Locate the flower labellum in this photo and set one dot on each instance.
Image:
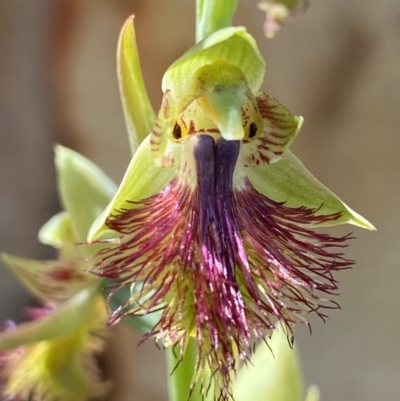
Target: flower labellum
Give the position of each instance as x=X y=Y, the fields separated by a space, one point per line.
x=215 y=216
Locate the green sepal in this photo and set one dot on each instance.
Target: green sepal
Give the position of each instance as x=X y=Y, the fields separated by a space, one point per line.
x=289 y=181
x=49 y=280
x=274 y=373
x=83 y=188
x=56 y=231
x=63 y=321
x=232 y=45
x=142 y=180
x=139 y=114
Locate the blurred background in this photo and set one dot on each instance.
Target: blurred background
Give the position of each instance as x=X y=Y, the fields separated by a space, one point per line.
x=337 y=65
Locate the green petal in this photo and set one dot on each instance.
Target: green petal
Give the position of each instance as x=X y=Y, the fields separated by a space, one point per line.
x=139 y=114
x=84 y=190
x=63 y=321
x=142 y=180
x=270 y=375
x=232 y=45
x=54 y=280
x=280 y=128
x=57 y=231
x=289 y=181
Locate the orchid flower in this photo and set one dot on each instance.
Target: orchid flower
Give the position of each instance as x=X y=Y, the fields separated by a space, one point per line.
x=215 y=217
x=53 y=357
x=278 y=12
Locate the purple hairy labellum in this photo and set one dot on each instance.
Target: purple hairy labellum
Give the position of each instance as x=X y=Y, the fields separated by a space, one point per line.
x=223 y=262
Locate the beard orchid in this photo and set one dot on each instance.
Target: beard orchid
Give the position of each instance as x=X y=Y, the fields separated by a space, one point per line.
x=215 y=218
x=54 y=355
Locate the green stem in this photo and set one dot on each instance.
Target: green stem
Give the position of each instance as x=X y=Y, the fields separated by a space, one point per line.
x=179 y=381
x=212 y=15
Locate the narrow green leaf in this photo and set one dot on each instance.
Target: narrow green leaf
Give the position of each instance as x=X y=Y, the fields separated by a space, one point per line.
x=139 y=114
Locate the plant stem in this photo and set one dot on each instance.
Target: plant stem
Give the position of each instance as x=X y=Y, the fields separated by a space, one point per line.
x=179 y=381
x=212 y=15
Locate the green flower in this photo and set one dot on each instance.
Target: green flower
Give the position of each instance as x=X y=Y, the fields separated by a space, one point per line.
x=215 y=217
x=53 y=357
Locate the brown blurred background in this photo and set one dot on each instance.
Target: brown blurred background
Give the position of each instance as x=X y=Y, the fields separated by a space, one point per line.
x=338 y=65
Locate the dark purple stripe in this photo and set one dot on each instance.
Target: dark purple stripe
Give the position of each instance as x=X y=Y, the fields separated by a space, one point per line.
x=215 y=162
